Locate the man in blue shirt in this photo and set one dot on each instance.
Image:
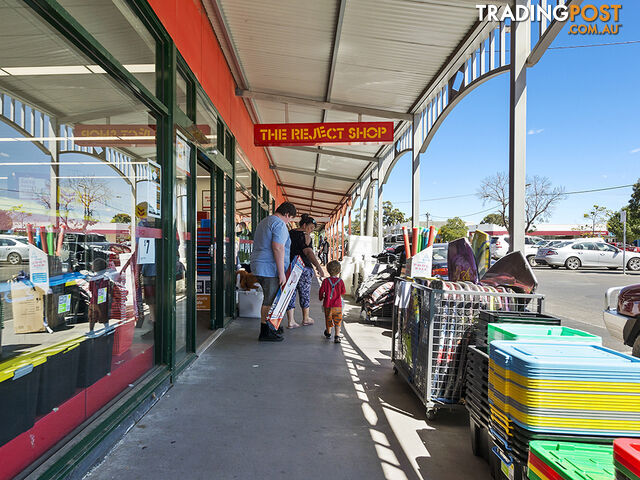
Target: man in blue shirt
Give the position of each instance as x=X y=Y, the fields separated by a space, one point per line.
x=270 y=260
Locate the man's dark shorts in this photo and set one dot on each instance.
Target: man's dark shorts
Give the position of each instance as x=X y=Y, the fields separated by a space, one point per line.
x=270 y=287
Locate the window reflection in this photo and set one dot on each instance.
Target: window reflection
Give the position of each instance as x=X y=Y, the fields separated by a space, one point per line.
x=79 y=232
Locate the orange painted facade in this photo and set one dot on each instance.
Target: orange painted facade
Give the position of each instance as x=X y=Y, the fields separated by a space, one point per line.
x=187 y=23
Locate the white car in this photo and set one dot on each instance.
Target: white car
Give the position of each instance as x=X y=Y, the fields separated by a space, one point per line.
x=499 y=247
x=13 y=249
x=591 y=253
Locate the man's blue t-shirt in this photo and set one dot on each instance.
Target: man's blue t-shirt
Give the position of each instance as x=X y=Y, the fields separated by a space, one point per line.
x=271 y=229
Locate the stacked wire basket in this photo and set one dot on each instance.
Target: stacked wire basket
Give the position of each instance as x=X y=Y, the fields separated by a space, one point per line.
x=433 y=324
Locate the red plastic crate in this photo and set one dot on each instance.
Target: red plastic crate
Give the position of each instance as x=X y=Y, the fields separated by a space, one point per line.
x=627 y=452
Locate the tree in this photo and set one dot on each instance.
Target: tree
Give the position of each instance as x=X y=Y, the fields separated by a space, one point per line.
x=391 y=216
x=493 y=218
x=540 y=197
x=453 y=229
x=19 y=215
x=121 y=218
x=596 y=216
x=6 y=222
x=615 y=226
x=88 y=192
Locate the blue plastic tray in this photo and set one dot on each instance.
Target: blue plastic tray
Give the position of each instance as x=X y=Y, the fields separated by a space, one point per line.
x=575 y=360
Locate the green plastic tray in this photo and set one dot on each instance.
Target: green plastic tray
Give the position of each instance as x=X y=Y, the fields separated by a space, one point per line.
x=518 y=331
x=576 y=461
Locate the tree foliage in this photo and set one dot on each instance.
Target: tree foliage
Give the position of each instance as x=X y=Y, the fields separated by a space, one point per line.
x=615 y=226
x=596 y=216
x=121 y=218
x=493 y=218
x=391 y=216
x=453 y=229
x=540 y=197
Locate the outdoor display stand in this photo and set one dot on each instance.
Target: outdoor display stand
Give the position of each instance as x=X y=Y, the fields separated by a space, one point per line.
x=432 y=328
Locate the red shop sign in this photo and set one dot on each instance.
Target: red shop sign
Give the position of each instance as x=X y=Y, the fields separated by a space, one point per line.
x=292 y=134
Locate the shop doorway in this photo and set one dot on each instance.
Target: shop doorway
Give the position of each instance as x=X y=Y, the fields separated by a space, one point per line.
x=205 y=250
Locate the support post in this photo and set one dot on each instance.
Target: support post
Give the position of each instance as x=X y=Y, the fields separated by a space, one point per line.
x=380 y=226
x=415 y=175
x=342 y=234
x=520 y=46
x=370 y=214
x=361 y=212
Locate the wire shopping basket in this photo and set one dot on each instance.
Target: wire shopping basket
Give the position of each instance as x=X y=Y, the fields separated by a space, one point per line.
x=432 y=328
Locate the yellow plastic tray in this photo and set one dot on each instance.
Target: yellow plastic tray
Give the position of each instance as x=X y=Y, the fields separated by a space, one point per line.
x=539 y=384
x=575 y=423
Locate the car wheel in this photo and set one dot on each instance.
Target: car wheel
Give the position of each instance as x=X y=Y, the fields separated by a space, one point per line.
x=532 y=260
x=14 y=258
x=634 y=264
x=572 y=263
x=636 y=348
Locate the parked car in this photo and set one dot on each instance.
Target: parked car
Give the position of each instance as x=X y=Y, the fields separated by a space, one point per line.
x=576 y=254
x=13 y=249
x=627 y=247
x=92 y=251
x=439 y=267
x=499 y=247
x=622 y=315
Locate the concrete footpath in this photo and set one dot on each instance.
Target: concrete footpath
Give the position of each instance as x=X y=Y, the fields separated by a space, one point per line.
x=302 y=408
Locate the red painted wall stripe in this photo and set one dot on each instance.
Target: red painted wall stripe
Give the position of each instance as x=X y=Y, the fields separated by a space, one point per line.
x=187 y=23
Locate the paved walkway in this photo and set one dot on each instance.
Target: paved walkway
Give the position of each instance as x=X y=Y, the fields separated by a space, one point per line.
x=303 y=408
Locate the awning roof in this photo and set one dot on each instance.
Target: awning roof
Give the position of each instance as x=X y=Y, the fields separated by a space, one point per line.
x=380 y=54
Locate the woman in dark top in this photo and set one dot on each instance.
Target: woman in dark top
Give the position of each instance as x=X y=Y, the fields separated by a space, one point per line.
x=301 y=244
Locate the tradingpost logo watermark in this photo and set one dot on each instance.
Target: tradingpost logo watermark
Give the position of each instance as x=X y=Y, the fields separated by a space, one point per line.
x=608 y=15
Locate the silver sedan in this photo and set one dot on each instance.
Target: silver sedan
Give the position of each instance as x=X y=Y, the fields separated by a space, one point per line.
x=574 y=255
x=13 y=249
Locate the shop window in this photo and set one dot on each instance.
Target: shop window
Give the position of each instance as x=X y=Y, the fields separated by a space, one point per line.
x=244 y=203
x=80 y=224
x=118 y=29
x=182 y=93
x=207 y=124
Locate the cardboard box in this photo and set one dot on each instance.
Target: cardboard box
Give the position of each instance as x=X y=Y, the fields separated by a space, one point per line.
x=28 y=308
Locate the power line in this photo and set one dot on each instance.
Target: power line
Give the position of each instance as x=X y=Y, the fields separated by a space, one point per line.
x=599 y=189
x=565 y=47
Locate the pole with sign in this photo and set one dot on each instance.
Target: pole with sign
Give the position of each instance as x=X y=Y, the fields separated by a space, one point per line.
x=623 y=217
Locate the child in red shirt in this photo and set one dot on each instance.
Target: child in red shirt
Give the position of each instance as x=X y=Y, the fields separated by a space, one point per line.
x=331 y=292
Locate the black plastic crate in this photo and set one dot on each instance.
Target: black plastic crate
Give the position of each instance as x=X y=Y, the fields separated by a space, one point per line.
x=18 y=401
x=480 y=441
x=58 y=379
x=95 y=357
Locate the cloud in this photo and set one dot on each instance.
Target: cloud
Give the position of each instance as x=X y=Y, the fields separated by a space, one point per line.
x=635 y=150
x=535 y=132
x=2 y=154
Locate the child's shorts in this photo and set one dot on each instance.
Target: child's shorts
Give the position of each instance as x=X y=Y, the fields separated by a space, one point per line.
x=333 y=317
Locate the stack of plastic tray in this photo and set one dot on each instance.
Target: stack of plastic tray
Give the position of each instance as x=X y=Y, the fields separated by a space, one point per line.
x=626 y=458
x=477 y=400
x=569 y=461
x=568 y=388
x=485 y=317
x=19 y=383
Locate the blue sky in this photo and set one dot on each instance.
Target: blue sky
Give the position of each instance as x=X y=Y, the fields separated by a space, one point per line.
x=583 y=117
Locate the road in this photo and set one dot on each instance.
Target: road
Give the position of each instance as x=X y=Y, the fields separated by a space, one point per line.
x=578 y=297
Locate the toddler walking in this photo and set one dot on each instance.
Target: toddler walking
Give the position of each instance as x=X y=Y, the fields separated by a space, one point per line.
x=331 y=292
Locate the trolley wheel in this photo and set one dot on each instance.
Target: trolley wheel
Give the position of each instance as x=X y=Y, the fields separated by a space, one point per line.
x=395 y=370
x=431 y=414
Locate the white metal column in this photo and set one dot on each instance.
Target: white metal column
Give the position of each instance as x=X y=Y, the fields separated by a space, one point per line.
x=379 y=226
x=520 y=47
x=415 y=175
x=370 y=207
